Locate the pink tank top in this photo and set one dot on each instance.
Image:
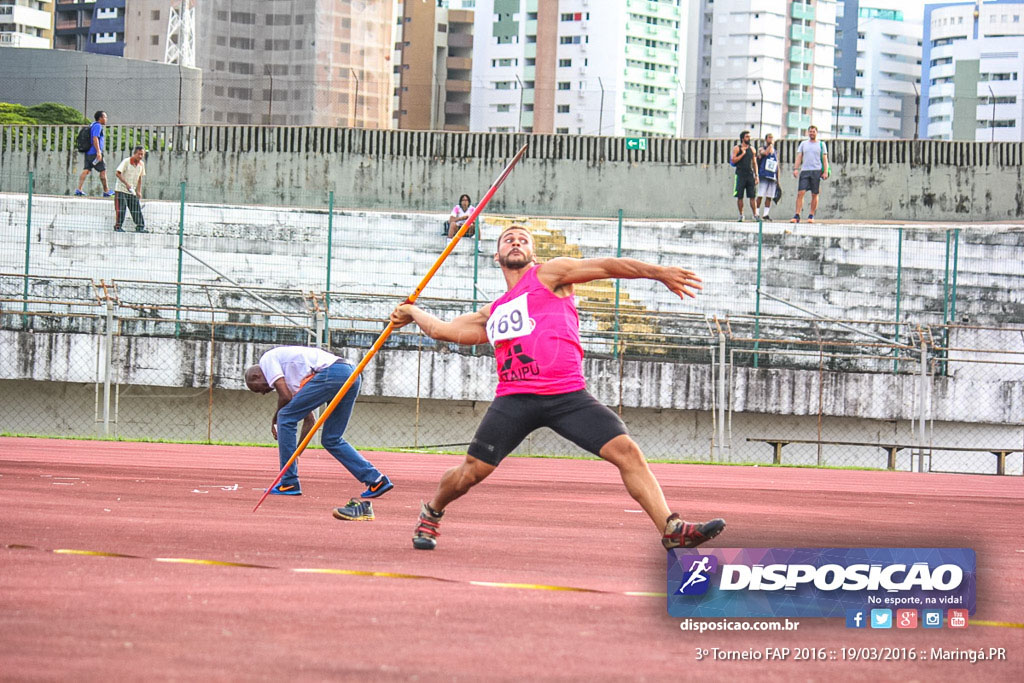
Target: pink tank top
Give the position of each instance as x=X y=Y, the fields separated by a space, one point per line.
x=536 y=338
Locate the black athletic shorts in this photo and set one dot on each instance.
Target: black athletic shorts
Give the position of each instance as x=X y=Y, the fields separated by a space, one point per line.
x=809 y=180
x=92 y=165
x=744 y=185
x=577 y=416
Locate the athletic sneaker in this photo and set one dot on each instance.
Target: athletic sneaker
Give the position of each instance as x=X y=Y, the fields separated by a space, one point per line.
x=141 y=230
x=795 y=218
x=810 y=218
x=740 y=219
x=680 y=534
x=355 y=511
x=118 y=229
x=377 y=488
x=427 y=531
x=286 y=489
x=79 y=193
x=766 y=218
x=108 y=193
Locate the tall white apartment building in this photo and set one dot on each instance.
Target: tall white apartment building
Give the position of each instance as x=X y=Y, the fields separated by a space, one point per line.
x=604 y=67
x=765 y=66
x=972 y=83
x=26 y=23
x=878 y=68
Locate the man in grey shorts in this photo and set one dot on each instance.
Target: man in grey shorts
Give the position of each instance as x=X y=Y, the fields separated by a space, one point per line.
x=811 y=167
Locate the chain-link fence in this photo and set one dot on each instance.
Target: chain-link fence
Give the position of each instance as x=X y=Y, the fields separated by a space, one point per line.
x=804 y=347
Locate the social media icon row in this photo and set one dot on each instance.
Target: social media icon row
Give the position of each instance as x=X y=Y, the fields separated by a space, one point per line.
x=904 y=618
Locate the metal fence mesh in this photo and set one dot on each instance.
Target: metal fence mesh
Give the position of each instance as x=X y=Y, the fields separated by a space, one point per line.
x=834 y=345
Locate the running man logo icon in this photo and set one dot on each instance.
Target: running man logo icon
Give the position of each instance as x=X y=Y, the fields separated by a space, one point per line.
x=697 y=578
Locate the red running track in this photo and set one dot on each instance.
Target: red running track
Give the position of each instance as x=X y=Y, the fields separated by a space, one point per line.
x=540 y=522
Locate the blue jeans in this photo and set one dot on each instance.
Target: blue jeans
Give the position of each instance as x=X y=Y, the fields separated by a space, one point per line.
x=321 y=389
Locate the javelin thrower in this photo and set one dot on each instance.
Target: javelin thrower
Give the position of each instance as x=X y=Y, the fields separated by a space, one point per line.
x=535 y=330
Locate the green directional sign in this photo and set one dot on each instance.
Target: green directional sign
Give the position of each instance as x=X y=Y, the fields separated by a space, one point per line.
x=636 y=143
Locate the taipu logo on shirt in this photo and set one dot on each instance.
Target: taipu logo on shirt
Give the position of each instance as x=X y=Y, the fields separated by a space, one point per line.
x=697 y=579
x=817 y=582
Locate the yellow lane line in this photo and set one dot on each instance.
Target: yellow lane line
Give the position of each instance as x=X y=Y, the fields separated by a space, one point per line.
x=396 y=575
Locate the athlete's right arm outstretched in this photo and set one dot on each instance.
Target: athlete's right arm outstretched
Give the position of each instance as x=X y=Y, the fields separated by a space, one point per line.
x=469 y=328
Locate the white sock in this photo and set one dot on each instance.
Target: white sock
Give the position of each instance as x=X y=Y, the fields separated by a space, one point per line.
x=767 y=209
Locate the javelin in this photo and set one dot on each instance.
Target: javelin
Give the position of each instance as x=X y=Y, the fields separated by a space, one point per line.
x=387 y=330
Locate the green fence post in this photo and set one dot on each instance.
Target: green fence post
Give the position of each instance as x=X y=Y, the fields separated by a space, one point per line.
x=899 y=288
x=28 y=249
x=618 y=254
x=945 y=311
x=181 y=244
x=757 y=291
x=956 y=258
x=476 y=262
x=330 y=252
x=945 y=285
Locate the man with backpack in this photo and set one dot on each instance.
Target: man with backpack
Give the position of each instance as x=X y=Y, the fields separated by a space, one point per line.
x=93 y=153
x=767 y=171
x=745 y=184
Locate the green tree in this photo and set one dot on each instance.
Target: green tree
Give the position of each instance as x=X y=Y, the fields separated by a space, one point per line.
x=14 y=114
x=55 y=114
x=47 y=114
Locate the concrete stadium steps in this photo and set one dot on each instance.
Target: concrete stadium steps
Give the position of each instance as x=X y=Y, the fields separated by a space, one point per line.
x=837 y=271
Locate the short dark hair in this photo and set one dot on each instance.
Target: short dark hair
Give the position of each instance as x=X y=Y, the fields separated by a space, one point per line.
x=98 y=114
x=466 y=197
x=744 y=134
x=136 y=148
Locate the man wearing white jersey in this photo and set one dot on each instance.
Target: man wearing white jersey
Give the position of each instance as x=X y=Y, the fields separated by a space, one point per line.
x=305 y=378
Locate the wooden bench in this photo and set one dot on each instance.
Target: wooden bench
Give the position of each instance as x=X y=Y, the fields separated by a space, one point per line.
x=891 y=449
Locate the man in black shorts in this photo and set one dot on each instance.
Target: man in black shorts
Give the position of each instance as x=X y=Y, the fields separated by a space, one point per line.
x=534 y=327
x=94 y=156
x=811 y=168
x=745 y=184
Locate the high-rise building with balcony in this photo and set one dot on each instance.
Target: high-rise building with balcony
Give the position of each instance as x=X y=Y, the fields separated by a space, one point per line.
x=433 y=61
x=95 y=26
x=878 y=68
x=296 y=62
x=972 y=80
x=765 y=66
x=581 y=66
x=26 y=23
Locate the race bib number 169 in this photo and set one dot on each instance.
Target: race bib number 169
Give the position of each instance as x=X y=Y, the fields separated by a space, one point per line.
x=510 y=320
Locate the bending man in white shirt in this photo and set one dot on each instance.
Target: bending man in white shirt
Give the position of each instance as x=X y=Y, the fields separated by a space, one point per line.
x=305 y=378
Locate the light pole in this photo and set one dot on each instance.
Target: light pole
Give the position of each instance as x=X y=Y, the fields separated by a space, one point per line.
x=270 y=100
x=917 y=108
x=355 y=101
x=682 y=100
x=519 y=125
x=992 y=123
x=600 y=114
x=839 y=103
x=760 y=115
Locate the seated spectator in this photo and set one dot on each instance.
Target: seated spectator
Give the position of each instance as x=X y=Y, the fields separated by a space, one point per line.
x=459 y=216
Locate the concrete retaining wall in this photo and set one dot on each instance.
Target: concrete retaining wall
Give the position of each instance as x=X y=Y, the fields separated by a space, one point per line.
x=560 y=175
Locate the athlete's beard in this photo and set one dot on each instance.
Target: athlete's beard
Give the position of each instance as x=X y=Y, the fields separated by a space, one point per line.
x=517 y=262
